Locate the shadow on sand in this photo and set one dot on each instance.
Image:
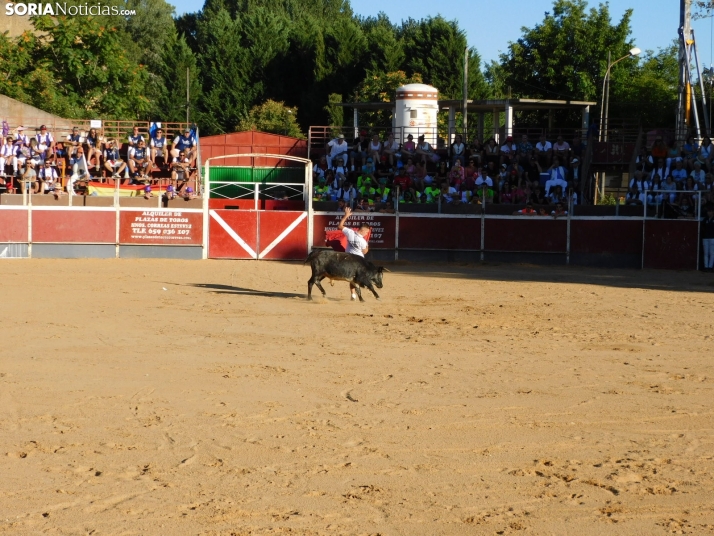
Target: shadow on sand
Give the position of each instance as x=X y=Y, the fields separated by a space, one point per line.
x=227 y=289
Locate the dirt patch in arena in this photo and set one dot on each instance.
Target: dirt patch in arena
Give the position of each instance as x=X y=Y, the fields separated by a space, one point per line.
x=186 y=397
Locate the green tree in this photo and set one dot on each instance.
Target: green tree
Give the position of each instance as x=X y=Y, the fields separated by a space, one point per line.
x=272 y=117
x=177 y=57
x=382 y=87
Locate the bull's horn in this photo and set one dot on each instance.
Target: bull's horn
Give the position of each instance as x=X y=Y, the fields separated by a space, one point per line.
x=385 y=269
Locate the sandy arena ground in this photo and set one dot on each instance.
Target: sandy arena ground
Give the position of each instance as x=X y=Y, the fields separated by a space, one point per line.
x=173 y=397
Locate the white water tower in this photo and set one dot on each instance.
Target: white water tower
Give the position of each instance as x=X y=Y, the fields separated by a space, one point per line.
x=416 y=110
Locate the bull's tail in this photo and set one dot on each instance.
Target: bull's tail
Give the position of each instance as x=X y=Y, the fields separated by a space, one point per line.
x=310 y=256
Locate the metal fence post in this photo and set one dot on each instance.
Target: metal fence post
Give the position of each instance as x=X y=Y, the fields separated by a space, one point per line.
x=699 y=226
x=396 y=226
x=206 y=197
x=483 y=227
x=567 y=237
x=644 y=220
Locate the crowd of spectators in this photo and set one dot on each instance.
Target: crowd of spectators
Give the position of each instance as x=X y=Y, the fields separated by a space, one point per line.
x=371 y=172
x=40 y=162
x=666 y=176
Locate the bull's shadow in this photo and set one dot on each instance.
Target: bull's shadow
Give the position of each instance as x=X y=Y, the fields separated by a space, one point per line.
x=228 y=289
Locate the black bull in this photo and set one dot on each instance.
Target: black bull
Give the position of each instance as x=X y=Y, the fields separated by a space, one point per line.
x=344 y=267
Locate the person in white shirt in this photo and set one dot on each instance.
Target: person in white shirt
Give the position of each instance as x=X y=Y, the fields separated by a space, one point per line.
x=508 y=150
x=557 y=177
x=337 y=148
x=679 y=174
x=561 y=149
x=698 y=174
x=390 y=148
x=374 y=149
x=158 y=145
x=484 y=178
x=45 y=143
x=544 y=150
x=660 y=169
x=356 y=242
x=638 y=180
x=7 y=154
x=80 y=170
x=458 y=150
x=49 y=178
x=19 y=136
x=74 y=140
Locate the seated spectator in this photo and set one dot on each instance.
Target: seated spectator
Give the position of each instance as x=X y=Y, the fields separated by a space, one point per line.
x=690 y=151
x=537 y=197
x=421 y=178
x=21 y=138
x=374 y=150
x=409 y=148
x=139 y=161
x=508 y=150
x=638 y=180
x=456 y=175
x=634 y=196
x=673 y=154
x=7 y=155
x=544 y=151
x=484 y=178
x=360 y=148
x=528 y=211
x=555 y=196
x=571 y=195
x=388 y=208
x=94 y=148
x=365 y=187
x=471 y=169
x=46 y=144
x=525 y=148
x=341 y=205
x=697 y=174
x=347 y=192
x=432 y=193
x=369 y=168
x=319 y=169
x=475 y=152
x=561 y=149
x=576 y=148
x=49 y=179
x=390 y=150
x=79 y=170
x=180 y=170
x=533 y=170
x=363 y=205
x=113 y=163
x=28 y=178
x=483 y=195
x=659 y=149
x=337 y=148
x=514 y=171
x=321 y=192
x=458 y=150
x=74 y=140
x=382 y=191
x=339 y=169
x=158 y=146
x=425 y=152
x=450 y=195
x=22 y=155
x=135 y=137
x=491 y=153
x=661 y=169
x=670 y=187
x=402 y=181
x=186 y=143
x=518 y=194
x=36 y=155
x=506 y=197
x=679 y=174
x=557 y=176
x=644 y=162
x=559 y=211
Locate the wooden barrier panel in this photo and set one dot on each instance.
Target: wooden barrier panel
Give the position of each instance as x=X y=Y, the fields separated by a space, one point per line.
x=526 y=234
x=439 y=233
x=671 y=244
x=13 y=225
x=80 y=225
x=283 y=235
x=600 y=237
x=232 y=234
x=160 y=227
x=383 y=227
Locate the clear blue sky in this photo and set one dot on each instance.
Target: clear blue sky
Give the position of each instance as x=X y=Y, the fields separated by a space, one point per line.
x=490 y=26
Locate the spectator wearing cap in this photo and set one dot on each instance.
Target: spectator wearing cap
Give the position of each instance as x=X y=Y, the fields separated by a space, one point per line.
x=544 y=151
x=365 y=186
x=45 y=143
x=187 y=143
x=28 y=178
x=359 y=149
x=425 y=151
x=368 y=168
x=74 y=140
x=158 y=146
x=381 y=193
x=337 y=148
x=321 y=191
x=508 y=150
x=458 y=150
x=561 y=149
x=21 y=138
x=573 y=174
x=390 y=149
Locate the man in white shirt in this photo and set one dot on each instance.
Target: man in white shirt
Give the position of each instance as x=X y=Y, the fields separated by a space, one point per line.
x=561 y=149
x=544 y=150
x=557 y=177
x=337 y=147
x=356 y=242
x=698 y=173
x=679 y=174
x=484 y=178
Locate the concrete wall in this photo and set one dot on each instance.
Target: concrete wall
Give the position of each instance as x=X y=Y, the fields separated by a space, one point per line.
x=17 y=113
x=14 y=25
